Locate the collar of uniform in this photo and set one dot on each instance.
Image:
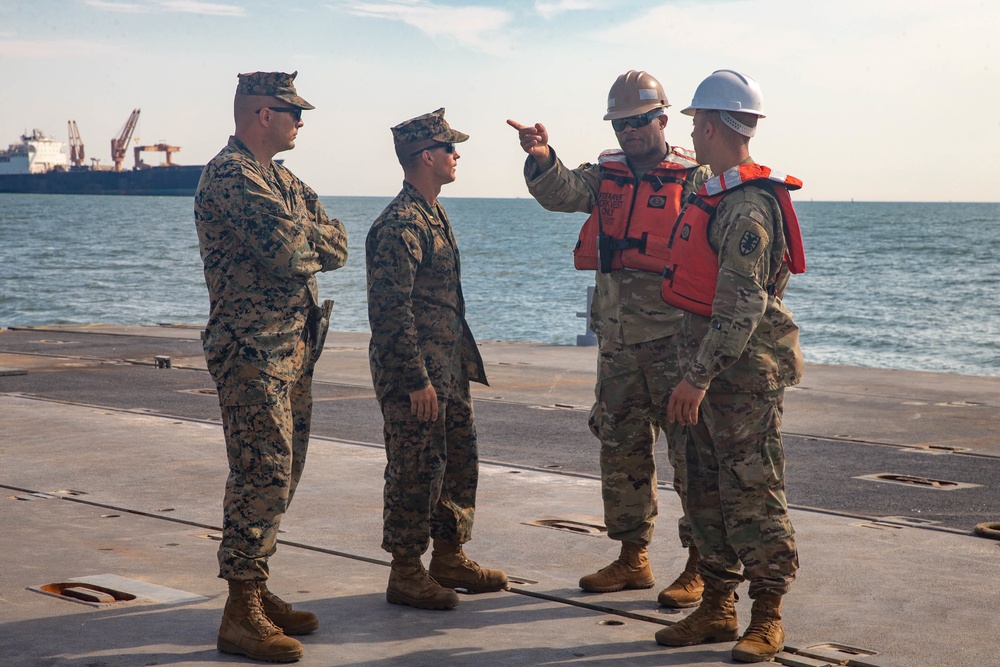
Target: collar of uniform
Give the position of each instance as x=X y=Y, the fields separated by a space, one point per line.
x=433 y=212
x=238 y=145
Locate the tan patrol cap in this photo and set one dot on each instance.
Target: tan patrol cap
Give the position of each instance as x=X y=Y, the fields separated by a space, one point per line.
x=272 y=84
x=427 y=129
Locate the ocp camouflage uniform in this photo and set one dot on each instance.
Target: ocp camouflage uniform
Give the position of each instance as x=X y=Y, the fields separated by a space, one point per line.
x=744 y=355
x=263 y=235
x=420 y=337
x=636 y=368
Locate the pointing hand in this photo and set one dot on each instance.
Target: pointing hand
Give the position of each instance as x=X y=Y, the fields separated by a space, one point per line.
x=534 y=140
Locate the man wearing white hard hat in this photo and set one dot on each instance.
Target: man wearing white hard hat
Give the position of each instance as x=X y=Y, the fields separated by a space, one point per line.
x=633 y=195
x=733 y=248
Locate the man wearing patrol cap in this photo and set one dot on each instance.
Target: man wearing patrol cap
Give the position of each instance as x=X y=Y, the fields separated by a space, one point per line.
x=735 y=245
x=633 y=196
x=263 y=235
x=422 y=357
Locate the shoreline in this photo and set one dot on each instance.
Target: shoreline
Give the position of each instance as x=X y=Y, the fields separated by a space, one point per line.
x=887 y=406
x=127 y=329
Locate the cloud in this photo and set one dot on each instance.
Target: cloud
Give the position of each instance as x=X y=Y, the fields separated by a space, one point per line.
x=178 y=6
x=466 y=25
x=123 y=7
x=548 y=9
x=208 y=8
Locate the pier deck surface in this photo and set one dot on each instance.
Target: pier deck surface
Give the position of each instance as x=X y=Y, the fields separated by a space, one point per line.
x=112 y=470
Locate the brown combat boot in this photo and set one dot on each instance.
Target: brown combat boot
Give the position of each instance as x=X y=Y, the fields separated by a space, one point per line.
x=713 y=621
x=280 y=613
x=687 y=588
x=245 y=630
x=410 y=584
x=451 y=568
x=765 y=636
x=630 y=570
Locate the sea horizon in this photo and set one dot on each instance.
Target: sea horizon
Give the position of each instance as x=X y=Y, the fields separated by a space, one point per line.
x=884 y=288
x=795 y=199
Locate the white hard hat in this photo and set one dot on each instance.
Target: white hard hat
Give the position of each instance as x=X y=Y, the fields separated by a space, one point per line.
x=728 y=90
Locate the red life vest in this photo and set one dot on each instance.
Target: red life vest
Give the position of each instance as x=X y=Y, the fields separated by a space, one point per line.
x=690 y=278
x=630 y=225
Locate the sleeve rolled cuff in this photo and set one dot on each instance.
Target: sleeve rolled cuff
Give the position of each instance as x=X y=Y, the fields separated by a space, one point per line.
x=533 y=173
x=698 y=380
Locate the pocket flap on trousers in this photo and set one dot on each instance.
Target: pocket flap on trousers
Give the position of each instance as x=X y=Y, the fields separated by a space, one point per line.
x=247 y=391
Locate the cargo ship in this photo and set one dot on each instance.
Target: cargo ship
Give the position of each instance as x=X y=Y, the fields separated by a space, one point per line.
x=39 y=164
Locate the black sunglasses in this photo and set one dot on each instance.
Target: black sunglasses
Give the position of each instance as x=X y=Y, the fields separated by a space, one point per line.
x=642 y=120
x=295 y=111
x=448 y=147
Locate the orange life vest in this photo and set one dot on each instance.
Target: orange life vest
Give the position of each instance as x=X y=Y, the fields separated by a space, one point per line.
x=630 y=225
x=690 y=278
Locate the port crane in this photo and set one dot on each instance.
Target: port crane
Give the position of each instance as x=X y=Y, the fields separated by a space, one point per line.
x=76 y=155
x=120 y=144
x=161 y=148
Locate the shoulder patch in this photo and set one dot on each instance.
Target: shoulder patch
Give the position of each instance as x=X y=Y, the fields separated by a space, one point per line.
x=757 y=215
x=749 y=242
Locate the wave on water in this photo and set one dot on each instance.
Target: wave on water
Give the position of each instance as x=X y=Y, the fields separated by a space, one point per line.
x=892 y=285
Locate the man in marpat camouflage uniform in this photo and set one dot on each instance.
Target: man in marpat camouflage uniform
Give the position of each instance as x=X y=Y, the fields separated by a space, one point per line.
x=633 y=197
x=422 y=357
x=736 y=244
x=263 y=235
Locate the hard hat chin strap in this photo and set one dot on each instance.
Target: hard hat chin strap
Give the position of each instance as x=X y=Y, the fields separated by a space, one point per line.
x=736 y=125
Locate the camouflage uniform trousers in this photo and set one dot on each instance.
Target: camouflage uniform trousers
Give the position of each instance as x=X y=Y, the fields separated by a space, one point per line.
x=633 y=386
x=736 y=493
x=431 y=474
x=266 y=421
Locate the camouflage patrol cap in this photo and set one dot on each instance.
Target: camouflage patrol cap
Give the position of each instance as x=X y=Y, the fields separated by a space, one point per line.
x=426 y=129
x=272 y=84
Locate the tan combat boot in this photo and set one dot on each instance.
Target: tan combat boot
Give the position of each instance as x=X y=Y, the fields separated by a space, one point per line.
x=290 y=621
x=630 y=570
x=765 y=636
x=245 y=630
x=410 y=584
x=451 y=568
x=687 y=588
x=713 y=621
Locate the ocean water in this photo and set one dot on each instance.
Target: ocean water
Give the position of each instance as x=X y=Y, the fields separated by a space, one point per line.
x=891 y=285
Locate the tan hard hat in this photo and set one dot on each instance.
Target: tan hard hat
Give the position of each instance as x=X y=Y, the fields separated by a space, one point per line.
x=635 y=93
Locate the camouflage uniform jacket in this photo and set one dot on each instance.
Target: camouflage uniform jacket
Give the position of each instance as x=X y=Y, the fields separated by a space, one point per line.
x=627 y=307
x=415 y=304
x=750 y=344
x=263 y=235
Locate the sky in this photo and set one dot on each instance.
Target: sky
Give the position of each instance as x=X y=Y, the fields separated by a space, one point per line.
x=858 y=93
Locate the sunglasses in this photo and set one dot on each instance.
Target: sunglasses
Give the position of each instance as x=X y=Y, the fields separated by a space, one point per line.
x=642 y=120
x=295 y=111
x=448 y=147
